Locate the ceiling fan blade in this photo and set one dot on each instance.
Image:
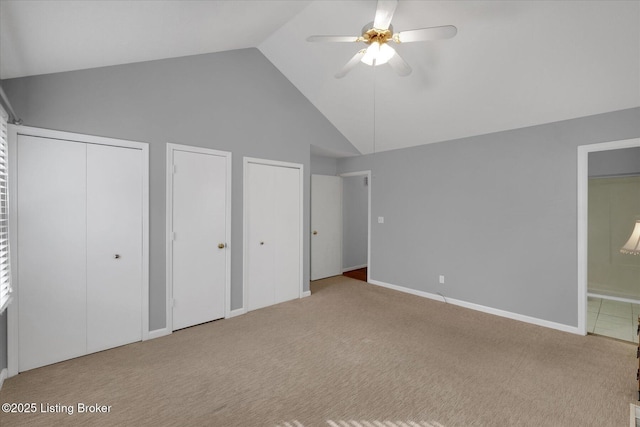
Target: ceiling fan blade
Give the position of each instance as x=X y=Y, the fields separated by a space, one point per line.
x=425 y=34
x=384 y=13
x=340 y=39
x=352 y=63
x=399 y=65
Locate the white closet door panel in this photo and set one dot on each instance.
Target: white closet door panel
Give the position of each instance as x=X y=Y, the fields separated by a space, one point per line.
x=51 y=251
x=326 y=226
x=261 y=236
x=114 y=246
x=199 y=224
x=286 y=225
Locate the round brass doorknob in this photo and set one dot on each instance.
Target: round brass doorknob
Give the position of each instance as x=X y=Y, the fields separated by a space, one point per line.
x=315 y=232
x=220 y=245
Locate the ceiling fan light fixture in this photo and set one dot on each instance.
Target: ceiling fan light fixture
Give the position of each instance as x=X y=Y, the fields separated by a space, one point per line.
x=378 y=54
x=378 y=33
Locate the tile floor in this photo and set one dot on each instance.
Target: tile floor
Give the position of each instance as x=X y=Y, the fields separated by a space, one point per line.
x=613 y=318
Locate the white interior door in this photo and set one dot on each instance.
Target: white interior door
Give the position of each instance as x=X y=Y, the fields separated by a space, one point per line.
x=326 y=226
x=199 y=216
x=51 y=251
x=273 y=240
x=114 y=246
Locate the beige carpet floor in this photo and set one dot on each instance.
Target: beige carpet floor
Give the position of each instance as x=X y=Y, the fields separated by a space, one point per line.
x=351 y=354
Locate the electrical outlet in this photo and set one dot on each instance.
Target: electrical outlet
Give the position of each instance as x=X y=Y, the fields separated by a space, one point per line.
x=441 y=278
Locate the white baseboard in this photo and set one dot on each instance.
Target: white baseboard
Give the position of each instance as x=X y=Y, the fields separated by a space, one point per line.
x=306 y=294
x=157 y=333
x=609 y=297
x=482 y=308
x=4 y=374
x=236 y=312
x=357 y=267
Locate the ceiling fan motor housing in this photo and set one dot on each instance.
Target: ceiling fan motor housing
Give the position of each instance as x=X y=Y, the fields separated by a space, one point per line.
x=371 y=34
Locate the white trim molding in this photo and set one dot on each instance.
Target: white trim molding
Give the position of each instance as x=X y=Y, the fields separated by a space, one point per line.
x=157 y=333
x=306 y=294
x=482 y=308
x=171 y=148
x=236 y=312
x=612 y=298
x=583 y=218
x=12 y=312
x=634 y=415
x=4 y=374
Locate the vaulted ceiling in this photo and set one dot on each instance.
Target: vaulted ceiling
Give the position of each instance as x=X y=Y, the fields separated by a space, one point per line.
x=512 y=64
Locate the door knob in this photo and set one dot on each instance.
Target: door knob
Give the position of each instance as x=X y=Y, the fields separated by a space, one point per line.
x=221 y=245
x=116 y=256
x=315 y=232
x=262 y=243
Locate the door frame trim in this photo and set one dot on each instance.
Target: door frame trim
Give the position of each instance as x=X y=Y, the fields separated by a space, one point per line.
x=583 y=218
x=12 y=310
x=366 y=173
x=171 y=148
x=245 y=220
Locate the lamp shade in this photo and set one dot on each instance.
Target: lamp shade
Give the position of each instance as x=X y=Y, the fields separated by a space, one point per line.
x=378 y=54
x=632 y=247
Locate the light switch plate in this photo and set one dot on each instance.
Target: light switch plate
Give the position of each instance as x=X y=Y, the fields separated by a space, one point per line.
x=380 y=220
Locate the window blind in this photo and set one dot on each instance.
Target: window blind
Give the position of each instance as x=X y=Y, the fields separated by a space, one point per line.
x=5 y=270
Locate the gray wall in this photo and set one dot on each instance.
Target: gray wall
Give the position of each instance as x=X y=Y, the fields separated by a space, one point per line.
x=321 y=165
x=496 y=214
x=235 y=101
x=625 y=161
x=355 y=204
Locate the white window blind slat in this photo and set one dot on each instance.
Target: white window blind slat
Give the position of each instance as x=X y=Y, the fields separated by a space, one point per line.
x=5 y=270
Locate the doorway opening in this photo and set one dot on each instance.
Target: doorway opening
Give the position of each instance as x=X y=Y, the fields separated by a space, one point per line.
x=358 y=274
x=608 y=184
x=356 y=243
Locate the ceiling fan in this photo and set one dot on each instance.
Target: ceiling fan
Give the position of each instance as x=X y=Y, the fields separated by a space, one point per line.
x=378 y=34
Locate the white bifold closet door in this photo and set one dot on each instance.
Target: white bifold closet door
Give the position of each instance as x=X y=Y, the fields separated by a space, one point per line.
x=273 y=234
x=52 y=248
x=79 y=249
x=114 y=246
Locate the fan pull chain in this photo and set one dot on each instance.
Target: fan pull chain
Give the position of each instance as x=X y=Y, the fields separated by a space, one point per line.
x=374 y=109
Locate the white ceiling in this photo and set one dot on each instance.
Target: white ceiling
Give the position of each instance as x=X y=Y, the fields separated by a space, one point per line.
x=48 y=36
x=512 y=63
